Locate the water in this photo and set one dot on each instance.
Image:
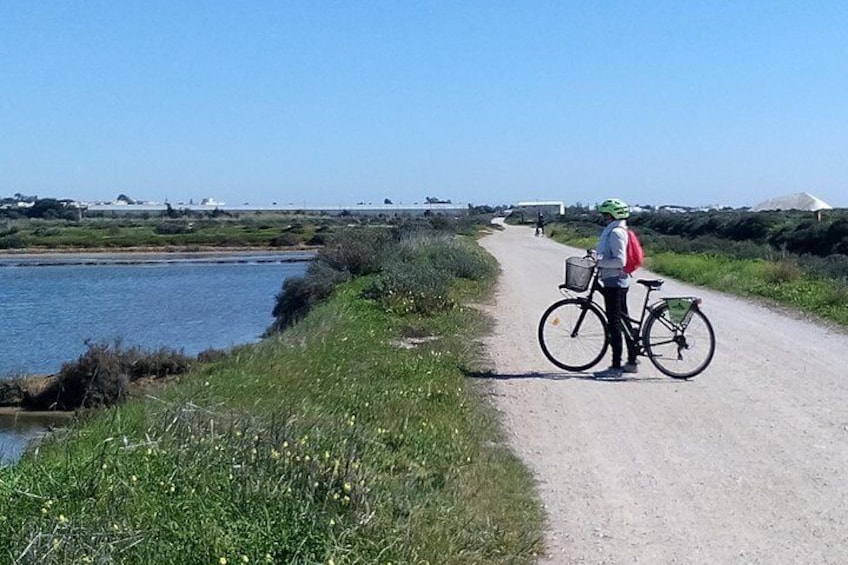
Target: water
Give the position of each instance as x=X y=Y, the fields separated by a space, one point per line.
x=19 y=430
x=52 y=306
x=188 y=304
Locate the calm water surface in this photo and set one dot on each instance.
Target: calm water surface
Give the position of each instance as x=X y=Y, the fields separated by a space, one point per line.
x=51 y=307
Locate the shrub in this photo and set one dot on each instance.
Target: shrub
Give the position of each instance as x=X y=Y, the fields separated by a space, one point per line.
x=358 y=251
x=101 y=376
x=45 y=231
x=445 y=253
x=212 y=355
x=172 y=228
x=300 y=294
x=320 y=238
x=408 y=287
x=286 y=239
x=413 y=272
x=833 y=266
x=837 y=295
x=12 y=241
x=350 y=252
x=783 y=271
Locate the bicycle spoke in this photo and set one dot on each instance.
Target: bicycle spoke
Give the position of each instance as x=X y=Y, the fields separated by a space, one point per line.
x=573 y=335
x=676 y=351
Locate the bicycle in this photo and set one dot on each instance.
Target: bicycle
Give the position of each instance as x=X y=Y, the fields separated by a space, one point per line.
x=672 y=332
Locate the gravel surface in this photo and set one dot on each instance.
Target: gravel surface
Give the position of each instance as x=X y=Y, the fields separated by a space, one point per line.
x=746 y=463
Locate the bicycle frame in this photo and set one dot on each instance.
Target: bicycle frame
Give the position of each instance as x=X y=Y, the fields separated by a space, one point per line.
x=632 y=327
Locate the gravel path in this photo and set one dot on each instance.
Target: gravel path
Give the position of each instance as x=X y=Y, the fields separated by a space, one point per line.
x=746 y=463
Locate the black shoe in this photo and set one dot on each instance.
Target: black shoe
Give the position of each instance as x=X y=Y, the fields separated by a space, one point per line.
x=610 y=373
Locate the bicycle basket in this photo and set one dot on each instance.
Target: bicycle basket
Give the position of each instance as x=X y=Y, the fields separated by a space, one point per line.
x=578 y=273
x=679 y=309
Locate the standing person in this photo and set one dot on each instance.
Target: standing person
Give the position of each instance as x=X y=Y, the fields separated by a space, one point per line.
x=612 y=256
x=540 y=224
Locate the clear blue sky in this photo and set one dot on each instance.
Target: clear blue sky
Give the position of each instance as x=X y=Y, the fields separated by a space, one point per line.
x=488 y=102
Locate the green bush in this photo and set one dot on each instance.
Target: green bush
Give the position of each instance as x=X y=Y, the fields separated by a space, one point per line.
x=445 y=253
x=406 y=287
x=300 y=294
x=286 y=239
x=359 y=251
x=783 y=271
x=350 y=252
x=836 y=296
x=319 y=238
x=832 y=267
x=12 y=241
x=172 y=228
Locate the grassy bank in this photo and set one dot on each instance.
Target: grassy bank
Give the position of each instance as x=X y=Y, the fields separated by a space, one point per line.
x=353 y=437
x=198 y=231
x=781 y=280
x=184 y=232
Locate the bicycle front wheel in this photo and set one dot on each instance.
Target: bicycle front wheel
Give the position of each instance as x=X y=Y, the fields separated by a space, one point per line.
x=573 y=334
x=679 y=351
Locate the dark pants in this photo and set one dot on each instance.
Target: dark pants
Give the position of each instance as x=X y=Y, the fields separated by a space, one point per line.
x=615 y=303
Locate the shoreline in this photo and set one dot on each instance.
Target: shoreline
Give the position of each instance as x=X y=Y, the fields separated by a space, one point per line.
x=31 y=257
x=19 y=412
x=152 y=249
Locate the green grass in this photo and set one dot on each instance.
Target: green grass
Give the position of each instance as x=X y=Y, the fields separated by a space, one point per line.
x=774 y=280
x=568 y=236
x=329 y=443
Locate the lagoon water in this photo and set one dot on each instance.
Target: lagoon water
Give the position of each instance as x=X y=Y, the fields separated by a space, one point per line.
x=49 y=311
x=51 y=307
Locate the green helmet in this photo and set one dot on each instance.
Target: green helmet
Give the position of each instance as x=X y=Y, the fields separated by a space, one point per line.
x=616 y=208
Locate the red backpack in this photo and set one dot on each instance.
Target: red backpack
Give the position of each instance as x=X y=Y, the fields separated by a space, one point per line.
x=635 y=255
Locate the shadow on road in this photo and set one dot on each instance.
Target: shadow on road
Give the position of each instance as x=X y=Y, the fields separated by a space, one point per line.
x=561 y=376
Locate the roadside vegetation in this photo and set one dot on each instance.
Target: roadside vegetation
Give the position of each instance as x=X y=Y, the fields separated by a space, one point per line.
x=792 y=258
x=349 y=435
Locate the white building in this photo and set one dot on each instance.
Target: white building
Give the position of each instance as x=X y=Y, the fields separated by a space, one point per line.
x=550 y=208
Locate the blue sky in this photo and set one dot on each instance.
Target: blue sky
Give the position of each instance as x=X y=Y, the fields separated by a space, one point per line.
x=326 y=102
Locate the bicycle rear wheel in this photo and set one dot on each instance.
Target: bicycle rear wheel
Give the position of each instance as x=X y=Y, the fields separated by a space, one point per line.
x=573 y=334
x=679 y=351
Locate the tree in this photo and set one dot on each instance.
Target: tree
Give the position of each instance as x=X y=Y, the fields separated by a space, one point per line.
x=126 y=199
x=387 y=201
x=50 y=208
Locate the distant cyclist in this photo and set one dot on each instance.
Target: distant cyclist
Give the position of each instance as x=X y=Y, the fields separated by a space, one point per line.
x=540 y=224
x=612 y=256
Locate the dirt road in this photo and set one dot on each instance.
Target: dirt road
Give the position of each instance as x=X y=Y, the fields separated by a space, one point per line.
x=747 y=463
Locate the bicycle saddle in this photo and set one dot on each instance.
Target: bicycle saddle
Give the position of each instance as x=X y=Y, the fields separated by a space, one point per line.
x=653 y=284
